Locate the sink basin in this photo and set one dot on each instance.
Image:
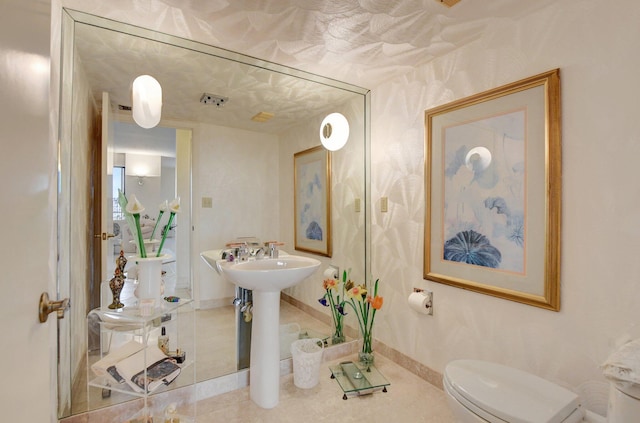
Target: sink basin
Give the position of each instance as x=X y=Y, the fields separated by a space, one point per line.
x=211 y=257
x=268 y=274
x=266 y=277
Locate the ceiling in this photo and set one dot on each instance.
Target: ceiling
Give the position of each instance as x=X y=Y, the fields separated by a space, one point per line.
x=362 y=42
x=112 y=60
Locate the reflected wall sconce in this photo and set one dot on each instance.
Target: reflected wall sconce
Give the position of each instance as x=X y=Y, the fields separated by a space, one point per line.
x=334 y=131
x=478 y=159
x=142 y=166
x=146 y=101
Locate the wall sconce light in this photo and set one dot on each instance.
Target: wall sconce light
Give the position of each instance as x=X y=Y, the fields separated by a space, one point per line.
x=334 y=131
x=142 y=166
x=146 y=101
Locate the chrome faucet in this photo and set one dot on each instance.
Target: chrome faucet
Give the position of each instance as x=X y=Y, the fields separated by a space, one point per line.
x=243 y=252
x=258 y=253
x=273 y=249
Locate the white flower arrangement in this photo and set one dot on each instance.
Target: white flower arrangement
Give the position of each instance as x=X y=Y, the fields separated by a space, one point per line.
x=133 y=208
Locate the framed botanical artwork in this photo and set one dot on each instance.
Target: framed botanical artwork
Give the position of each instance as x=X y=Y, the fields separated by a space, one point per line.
x=312 y=201
x=493 y=192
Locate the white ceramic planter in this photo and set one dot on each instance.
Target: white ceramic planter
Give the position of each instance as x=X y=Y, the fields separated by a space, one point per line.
x=150 y=286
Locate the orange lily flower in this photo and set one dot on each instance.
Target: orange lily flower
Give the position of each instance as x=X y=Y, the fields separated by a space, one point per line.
x=376 y=302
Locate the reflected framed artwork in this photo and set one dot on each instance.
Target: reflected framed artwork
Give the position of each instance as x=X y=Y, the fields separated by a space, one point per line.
x=493 y=192
x=312 y=201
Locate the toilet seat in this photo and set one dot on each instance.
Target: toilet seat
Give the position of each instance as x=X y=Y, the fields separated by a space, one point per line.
x=461 y=401
x=502 y=394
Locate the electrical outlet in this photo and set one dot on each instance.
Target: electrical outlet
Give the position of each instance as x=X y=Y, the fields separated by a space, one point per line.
x=207 y=202
x=384 y=204
x=356 y=204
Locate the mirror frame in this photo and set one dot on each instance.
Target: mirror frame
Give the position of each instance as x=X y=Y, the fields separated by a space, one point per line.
x=69 y=18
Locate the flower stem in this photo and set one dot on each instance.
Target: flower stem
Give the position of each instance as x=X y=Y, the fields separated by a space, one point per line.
x=335 y=314
x=353 y=305
x=141 y=249
x=156 y=225
x=164 y=235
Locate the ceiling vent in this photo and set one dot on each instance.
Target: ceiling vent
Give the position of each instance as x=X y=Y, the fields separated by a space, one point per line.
x=216 y=100
x=262 y=117
x=448 y=3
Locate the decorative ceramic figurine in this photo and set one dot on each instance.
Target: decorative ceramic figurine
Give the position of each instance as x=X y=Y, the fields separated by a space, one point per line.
x=117 y=282
x=121 y=262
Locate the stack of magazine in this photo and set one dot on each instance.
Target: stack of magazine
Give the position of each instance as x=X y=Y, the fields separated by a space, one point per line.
x=143 y=368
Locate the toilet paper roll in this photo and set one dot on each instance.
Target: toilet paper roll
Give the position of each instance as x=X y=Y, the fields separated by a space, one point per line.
x=419 y=302
x=330 y=273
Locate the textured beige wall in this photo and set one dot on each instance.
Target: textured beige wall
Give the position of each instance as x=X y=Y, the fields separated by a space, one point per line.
x=245 y=198
x=348 y=230
x=593 y=46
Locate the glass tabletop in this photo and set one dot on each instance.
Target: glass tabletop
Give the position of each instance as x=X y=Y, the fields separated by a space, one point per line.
x=358 y=378
x=133 y=315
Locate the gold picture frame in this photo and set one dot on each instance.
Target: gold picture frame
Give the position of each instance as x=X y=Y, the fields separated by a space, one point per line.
x=493 y=192
x=312 y=201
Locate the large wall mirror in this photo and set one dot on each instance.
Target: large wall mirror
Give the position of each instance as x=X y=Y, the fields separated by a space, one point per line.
x=234 y=175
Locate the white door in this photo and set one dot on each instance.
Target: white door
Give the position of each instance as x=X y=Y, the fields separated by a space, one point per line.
x=28 y=243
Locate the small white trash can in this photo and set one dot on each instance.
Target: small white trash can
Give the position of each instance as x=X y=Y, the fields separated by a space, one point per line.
x=288 y=334
x=307 y=357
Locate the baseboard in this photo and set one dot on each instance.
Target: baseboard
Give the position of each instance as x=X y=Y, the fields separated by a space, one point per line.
x=214 y=303
x=424 y=372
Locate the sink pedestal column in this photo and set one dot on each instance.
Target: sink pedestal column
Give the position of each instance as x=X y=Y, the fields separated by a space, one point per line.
x=266 y=278
x=264 y=370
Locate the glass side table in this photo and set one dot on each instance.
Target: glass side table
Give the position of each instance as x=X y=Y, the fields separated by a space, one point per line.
x=358 y=378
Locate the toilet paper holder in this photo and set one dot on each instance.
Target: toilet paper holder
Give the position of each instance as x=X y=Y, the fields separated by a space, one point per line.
x=429 y=295
x=332 y=272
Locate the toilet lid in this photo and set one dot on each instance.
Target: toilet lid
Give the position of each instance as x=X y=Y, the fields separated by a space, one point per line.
x=510 y=394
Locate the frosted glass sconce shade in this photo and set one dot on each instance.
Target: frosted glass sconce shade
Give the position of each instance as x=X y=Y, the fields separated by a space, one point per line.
x=143 y=164
x=146 y=101
x=334 y=131
x=478 y=159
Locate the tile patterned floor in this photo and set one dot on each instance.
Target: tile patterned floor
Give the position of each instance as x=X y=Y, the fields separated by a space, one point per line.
x=408 y=399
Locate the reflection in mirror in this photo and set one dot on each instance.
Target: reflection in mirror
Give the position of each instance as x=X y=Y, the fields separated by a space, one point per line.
x=237 y=170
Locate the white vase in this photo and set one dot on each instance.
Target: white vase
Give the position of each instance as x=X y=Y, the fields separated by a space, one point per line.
x=151 y=245
x=150 y=286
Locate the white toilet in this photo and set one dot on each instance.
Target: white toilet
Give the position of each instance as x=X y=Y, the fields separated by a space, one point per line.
x=480 y=391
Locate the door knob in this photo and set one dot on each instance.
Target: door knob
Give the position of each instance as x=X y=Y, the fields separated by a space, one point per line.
x=104 y=236
x=46 y=307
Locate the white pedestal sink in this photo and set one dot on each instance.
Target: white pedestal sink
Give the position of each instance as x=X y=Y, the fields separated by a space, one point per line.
x=266 y=278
